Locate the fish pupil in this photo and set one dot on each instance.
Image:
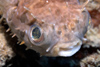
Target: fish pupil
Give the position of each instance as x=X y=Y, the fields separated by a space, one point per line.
x=36 y=33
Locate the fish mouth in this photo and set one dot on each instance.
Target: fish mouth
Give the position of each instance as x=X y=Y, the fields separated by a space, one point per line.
x=69 y=52
x=65 y=49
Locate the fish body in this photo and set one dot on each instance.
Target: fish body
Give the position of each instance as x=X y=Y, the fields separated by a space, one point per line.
x=50 y=27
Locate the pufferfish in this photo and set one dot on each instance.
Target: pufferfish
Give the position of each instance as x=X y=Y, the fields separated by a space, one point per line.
x=50 y=27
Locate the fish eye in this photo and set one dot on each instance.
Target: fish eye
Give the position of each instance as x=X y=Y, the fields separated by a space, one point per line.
x=36 y=34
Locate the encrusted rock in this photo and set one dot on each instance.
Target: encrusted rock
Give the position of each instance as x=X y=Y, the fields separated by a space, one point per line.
x=6 y=52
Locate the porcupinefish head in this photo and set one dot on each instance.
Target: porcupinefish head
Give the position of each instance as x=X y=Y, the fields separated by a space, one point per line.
x=51 y=27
